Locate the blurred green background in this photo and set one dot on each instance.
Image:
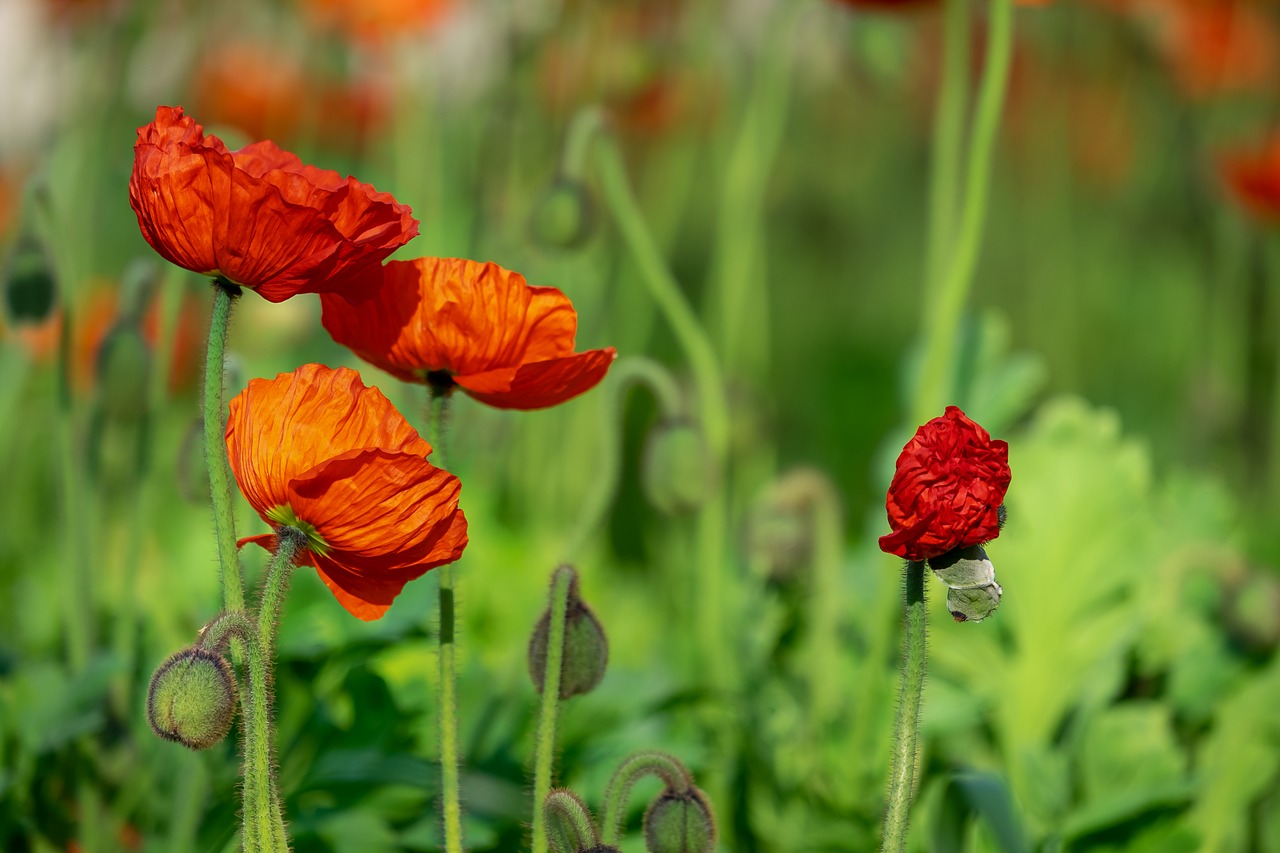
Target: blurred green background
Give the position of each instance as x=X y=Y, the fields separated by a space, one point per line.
x=1121 y=336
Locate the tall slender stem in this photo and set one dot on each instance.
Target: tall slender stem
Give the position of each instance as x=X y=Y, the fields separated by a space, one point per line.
x=545 y=750
x=942 y=313
x=215 y=448
x=672 y=773
x=907 y=724
x=263 y=817
x=450 y=787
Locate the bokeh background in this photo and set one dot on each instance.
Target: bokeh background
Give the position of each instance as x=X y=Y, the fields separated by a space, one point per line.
x=1121 y=335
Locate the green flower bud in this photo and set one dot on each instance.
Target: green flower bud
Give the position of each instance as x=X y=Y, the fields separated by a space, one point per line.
x=564 y=217
x=123 y=366
x=192 y=698
x=677 y=474
x=30 y=290
x=680 y=822
x=975 y=603
x=586 y=649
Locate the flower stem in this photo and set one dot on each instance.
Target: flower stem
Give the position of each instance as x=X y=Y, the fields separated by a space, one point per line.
x=569 y=822
x=450 y=788
x=215 y=448
x=545 y=748
x=948 y=144
x=942 y=310
x=634 y=767
x=907 y=724
x=263 y=816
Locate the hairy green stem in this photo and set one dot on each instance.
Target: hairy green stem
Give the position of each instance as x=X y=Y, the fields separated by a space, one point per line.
x=545 y=749
x=569 y=822
x=942 y=314
x=633 y=768
x=906 y=727
x=450 y=786
x=215 y=448
x=628 y=371
x=263 y=816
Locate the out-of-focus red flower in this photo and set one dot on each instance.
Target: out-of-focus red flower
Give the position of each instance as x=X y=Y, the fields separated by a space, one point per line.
x=375 y=21
x=904 y=5
x=1253 y=178
x=316 y=450
x=447 y=322
x=258 y=216
x=947 y=489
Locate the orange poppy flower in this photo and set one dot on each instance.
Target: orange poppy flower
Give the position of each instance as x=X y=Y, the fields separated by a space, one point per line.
x=1254 y=179
x=316 y=450
x=376 y=21
x=258 y=216
x=448 y=321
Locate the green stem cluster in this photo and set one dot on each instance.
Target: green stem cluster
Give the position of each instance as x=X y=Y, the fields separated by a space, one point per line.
x=545 y=750
x=906 y=726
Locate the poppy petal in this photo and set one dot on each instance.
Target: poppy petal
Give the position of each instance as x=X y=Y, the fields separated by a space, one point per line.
x=542 y=383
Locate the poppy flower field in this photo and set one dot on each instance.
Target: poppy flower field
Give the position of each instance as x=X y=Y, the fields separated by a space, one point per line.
x=632 y=425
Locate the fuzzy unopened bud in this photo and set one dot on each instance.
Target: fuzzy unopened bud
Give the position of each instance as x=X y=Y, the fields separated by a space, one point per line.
x=30 y=290
x=680 y=822
x=585 y=651
x=677 y=474
x=192 y=698
x=564 y=217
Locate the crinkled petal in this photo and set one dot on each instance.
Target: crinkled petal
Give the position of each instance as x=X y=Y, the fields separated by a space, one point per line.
x=542 y=383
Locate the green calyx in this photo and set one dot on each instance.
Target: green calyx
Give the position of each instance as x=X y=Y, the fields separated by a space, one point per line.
x=680 y=822
x=192 y=698
x=284 y=516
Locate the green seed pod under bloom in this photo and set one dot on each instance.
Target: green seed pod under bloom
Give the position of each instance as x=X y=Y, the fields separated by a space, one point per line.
x=564 y=217
x=680 y=822
x=677 y=473
x=586 y=649
x=192 y=698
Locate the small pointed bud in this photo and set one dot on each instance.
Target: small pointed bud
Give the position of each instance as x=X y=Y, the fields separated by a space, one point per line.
x=974 y=604
x=564 y=217
x=30 y=290
x=586 y=649
x=680 y=822
x=123 y=368
x=192 y=698
x=964 y=568
x=677 y=473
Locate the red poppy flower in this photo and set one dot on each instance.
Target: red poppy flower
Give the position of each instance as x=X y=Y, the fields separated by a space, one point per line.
x=447 y=321
x=1254 y=179
x=947 y=490
x=317 y=450
x=258 y=216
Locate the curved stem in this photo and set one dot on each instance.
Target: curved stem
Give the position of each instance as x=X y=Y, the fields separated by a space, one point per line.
x=450 y=786
x=628 y=371
x=943 y=312
x=569 y=821
x=562 y=581
x=215 y=448
x=263 y=817
x=652 y=763
x=907 y=724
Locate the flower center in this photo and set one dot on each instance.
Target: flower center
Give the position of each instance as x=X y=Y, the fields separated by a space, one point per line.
x=286 y=516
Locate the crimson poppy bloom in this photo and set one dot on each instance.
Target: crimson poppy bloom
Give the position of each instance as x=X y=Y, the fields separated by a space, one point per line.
x=450 y=322
x=259 y=216
x=1254 y=179
x=316 y=450
x=947 y=489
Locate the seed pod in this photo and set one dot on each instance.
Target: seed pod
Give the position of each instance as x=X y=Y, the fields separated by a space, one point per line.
x=677 y=474
x=586 y=649
x=680 y=822
x=192 y=698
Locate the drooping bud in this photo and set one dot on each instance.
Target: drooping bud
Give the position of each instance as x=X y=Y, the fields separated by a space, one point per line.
x=569 y=825
x=678 y=474
x=680 y=822
x=192 y=698
x=30 y=290
x=564 y=216
x=585 y=651
x=974 y=604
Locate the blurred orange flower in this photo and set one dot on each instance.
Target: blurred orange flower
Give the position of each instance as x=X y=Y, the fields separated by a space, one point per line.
x=375 y=20
x=1253 y=178
x=258 y=216
x=316 y=450
x=447 y=322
